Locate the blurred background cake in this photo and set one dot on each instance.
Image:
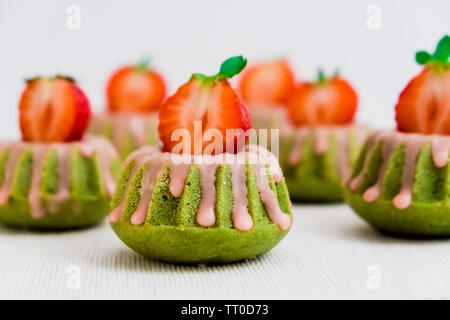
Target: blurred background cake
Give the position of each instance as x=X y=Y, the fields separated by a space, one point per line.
x=319 y=150
x=54 y=178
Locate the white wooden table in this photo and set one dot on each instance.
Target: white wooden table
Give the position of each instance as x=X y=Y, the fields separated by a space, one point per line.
x=329 y=253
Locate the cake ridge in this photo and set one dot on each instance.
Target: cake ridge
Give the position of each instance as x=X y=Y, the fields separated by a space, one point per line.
x=206 y=215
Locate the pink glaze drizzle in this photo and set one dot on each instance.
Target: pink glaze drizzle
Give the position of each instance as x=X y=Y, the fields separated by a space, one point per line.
x=40 y=151
x=321 y=136
x=206 y=216
x=413 y=144
x=14 y=154
x=179 y=170
x=241 y=217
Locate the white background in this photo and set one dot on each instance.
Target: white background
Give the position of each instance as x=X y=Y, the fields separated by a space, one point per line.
x=183 y=37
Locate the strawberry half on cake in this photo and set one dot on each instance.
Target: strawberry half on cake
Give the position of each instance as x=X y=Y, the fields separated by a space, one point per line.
x=401 y=181
x=319 y=150
x=207 y=196
x=55 y=178
x=265 y=88
x=135 y=94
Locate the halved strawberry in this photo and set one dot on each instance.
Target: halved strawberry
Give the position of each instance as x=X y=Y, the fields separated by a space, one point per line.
x=136 y=89
x=53 y=110
x=267 y=83
x=325 y=102
x=211 y=102
x=424 y=105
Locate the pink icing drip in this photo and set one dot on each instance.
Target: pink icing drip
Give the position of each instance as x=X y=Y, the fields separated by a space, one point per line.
x=115 y=215
x=269 y=199
x=178 y=175
x=34 y=196
x=205 y=215
x=296 y=152
x=440 y=152
x=63 y=192
x=140 y=214
x=87 y=150
x=403 y=199
x=343 y=156
x=241 y=217
x=413 y=145
x=15 y=152
x=322 y=136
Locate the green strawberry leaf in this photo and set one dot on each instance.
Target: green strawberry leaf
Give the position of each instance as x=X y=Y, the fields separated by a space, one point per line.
x=442 y=52
x=321 y=77
x=143 y=64
x=232 y=66
x=422 y=57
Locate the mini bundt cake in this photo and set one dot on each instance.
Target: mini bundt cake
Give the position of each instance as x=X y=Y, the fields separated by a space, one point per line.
x=318 y=151
x=127 y=131
x=200 y=210
x=54 y=178
x=210 y=202
x=401 y=181
x=317 y=161
x=57 y=185
x=134 y=94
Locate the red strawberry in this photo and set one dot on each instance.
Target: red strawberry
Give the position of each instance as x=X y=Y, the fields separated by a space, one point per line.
x=267 y=83
x=210 y=100
x=53 y=110
x=136 y=89
x=325 y=102
x=424 y=105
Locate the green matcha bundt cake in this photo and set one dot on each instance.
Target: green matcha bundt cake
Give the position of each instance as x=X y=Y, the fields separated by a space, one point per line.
x=196 y=212
x=53 y=178
x=318 y=151
x=56 y=185
x=127 y=131
x=317 y=161
x=401 y=183
x=211 y=202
